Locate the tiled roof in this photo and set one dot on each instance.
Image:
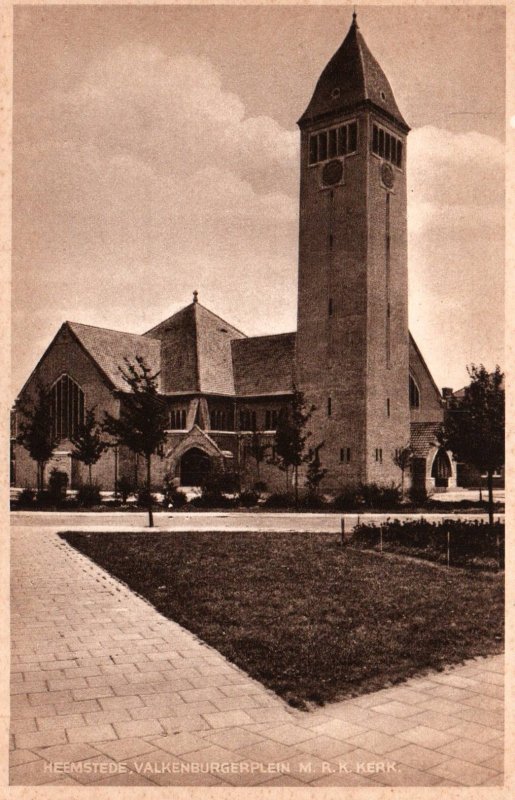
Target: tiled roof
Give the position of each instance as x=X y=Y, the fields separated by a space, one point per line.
x=423 y=437
x=196 y=351
x=109 y=348
x=351 y=78
x=264 y=364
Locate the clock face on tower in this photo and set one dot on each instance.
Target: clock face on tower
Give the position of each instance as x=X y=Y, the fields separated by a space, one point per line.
x=387 y=175
x=332 y=172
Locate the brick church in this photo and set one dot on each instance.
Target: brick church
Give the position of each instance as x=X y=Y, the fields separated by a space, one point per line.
x=352 y=355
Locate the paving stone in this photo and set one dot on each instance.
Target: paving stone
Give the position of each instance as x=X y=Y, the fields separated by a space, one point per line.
x=115 y=715
x=178 y=724
x=326 y=747
x=375 y=741
x=338 y=729
x=417 y=757
x=340 y=779
x=24 y=725
x=466 y=750
x=18 y=757
x=146 y=727
x=495 y=762
x=180 y=743
x=227 y=719
x=268 y=751
x=396 y=709
x=91 y=733
x=432 y=719
x=68 y=752
x=30 y=774
x=427 y=737
x=77 y=707
x=40 y=739
x=463 y=772
x=475 y=732
x=233 y=738
x=127 y=701
x=269 y=714
x=290 y=734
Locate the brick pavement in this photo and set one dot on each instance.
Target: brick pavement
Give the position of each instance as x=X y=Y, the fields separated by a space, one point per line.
x=105 y=691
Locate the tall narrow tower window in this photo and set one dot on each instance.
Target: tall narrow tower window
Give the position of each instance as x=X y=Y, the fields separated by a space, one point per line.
x=330 y=309
x=328 y=144
x=329 y=407
x=387 y=146
x=387 y=406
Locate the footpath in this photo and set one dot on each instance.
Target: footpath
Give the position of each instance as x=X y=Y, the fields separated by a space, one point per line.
x=106 y=691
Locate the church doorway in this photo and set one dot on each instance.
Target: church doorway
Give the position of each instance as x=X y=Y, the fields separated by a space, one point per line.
x=441 y=470
x=195 y=465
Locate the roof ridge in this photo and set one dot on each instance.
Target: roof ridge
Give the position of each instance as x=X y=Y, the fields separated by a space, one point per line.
x=267 y=336
x=109 y=330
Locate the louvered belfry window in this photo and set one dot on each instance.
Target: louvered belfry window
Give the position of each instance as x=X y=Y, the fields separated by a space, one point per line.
x=67 y=407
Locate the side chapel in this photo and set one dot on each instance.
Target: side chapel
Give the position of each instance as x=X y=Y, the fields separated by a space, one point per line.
x=352 y=355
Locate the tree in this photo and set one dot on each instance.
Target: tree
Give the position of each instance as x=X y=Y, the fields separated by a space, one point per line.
x=315 y=472
x=291 y=436
x=88 y=442
x=143 y=419
x=402 y=459
x=36 y=431
x=473 y=427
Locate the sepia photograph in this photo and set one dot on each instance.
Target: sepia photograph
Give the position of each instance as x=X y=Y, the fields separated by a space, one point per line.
x=257 y=426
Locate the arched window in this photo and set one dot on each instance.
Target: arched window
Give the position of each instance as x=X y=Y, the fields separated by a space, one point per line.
x=67 y=407
x=414 y=393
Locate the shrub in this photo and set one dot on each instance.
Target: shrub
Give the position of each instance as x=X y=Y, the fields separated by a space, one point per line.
x=377 y=496
x=89 y=495
x=219 y=480
x=418 y=495
x=210 y=500
x=248 y=498
x=57 y=484
x=172 y=496
x=125 y=487
x=313 y=501
x=280 y=500
x=143 y=496
x=260 y=487
x=349 y=499
x=472 y=544
x=44 y=499
x=26 y=498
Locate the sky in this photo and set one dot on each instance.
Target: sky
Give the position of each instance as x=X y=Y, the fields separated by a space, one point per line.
x=155 y=151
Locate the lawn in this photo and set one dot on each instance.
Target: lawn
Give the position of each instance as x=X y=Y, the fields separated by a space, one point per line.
x=311 y=620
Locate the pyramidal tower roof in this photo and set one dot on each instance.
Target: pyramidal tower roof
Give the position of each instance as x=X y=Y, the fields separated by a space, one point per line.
x=352 y=79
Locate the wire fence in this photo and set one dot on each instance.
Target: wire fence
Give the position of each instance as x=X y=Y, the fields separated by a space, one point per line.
x=455 y=543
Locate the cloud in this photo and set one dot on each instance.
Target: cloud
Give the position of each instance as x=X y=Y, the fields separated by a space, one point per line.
x=456 y=248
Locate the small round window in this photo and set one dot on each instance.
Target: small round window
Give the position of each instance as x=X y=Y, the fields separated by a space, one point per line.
x=335 y=94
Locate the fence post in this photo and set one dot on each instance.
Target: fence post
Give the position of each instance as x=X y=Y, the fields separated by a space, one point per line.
x=448 y=547
x=381 y=539
x=342 y=523
x=498 y=543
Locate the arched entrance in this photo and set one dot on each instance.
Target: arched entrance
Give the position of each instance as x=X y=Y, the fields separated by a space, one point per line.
x=441 y=470
x=195 y=465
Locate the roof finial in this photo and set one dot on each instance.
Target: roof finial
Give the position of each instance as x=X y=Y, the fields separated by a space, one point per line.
x=195 y=296
x=354 y=17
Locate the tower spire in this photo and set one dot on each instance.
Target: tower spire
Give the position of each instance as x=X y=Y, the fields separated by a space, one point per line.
x=355 y=18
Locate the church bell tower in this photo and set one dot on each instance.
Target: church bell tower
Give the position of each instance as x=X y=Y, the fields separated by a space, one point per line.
x=352 y=339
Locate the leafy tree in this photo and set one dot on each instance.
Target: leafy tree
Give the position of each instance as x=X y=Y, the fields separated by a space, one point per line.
x=291 y=436
x=315 y=472
x=36 y=430
x=402 y=459
x=143 y=419
x=473 y=428
x=88 y=442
